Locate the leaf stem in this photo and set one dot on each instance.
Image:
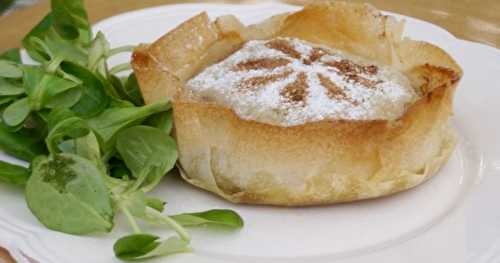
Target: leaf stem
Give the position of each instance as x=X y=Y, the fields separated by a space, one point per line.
x=68 y=76
x=170 y=222
x=140 y=179
x=93 y=66
x=114 y=51
x=102 y=67
x=130 y=219
x=120 y=68
x=54 y=64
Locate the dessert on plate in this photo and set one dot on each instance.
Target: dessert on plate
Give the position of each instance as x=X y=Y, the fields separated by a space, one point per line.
x=328 y=104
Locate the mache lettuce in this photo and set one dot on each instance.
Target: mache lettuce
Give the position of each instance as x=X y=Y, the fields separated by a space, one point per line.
x=94 y=148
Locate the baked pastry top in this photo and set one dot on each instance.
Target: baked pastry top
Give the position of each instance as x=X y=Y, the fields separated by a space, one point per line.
x=287 y=81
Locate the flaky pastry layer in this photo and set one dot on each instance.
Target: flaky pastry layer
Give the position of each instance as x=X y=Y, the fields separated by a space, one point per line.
x=319 y=162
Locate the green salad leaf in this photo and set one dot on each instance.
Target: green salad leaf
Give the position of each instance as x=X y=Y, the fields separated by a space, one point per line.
x=98 y=50
x=118 y=169
x=88 y=147
x=70 y=128
x=9 y=69
x=12 y=54
x=115 y=87
x=70 y=20
x=10 y=88
x=94 y=100
x=13 y=174
x=6 y=100
x=48 y=90
x=134 y=246
x=148 y=152
x=16 y=112
x=38 y=32
x=22 y=146
x=142 y=246
x=112 y=120
x=131 y=91
x=155 y=203
x=222 y=217
x=59 y=50
x=162 y=121
x=67 y=193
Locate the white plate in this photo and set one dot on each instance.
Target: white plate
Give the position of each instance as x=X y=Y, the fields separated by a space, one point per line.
x=450 y=218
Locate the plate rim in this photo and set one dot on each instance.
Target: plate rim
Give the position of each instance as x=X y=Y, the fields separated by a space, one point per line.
x=272 y=3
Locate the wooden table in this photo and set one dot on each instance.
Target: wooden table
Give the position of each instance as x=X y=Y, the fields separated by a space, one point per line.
x=477 y=20
x=467 y=19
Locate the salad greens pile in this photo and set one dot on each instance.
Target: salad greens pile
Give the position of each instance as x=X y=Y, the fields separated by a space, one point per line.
x=94 y=148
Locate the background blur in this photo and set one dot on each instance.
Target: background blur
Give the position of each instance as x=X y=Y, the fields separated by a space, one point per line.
x=476 y=20
x=11 y=5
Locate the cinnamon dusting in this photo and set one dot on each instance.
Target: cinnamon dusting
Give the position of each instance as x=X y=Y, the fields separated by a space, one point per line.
x=262 y=63
x=296 y=91
x=287 y=78
x=315 y=55
x=283 y=46
x=345 y=66
x=363 y=81
x=332 y=90
x=255 y=82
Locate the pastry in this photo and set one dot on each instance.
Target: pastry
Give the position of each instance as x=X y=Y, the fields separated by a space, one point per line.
x=328 y=104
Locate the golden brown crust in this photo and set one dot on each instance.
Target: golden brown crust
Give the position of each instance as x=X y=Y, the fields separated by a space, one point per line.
x=322 y=162
x=359 y=29
x=164 y=66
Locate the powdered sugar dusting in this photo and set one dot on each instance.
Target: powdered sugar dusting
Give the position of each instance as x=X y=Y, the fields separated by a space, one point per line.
x=291 y=82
